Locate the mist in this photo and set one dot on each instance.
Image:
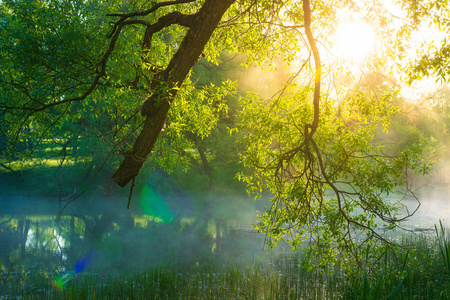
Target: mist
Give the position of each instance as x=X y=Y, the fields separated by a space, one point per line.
x=97 y=233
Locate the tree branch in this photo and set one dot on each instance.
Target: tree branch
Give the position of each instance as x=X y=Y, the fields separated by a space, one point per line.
x=155 y=7
x=156 y=107
x=163 y=22
x=101 y=73
x=317 y=78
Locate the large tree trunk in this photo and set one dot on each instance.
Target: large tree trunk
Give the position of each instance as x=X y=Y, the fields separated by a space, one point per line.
x=201 y=26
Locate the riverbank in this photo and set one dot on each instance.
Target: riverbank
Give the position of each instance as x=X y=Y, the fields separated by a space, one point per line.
x=419 y=270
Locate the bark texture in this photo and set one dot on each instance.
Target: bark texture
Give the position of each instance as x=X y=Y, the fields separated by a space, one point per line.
x=155 y=109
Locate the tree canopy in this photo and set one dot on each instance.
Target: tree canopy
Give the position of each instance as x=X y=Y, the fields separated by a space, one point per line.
x=117 y=77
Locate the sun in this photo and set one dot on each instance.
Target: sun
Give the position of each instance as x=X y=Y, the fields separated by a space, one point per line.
x=354 y=40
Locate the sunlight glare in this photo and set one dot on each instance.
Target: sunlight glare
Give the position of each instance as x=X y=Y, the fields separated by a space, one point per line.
x=354 y=40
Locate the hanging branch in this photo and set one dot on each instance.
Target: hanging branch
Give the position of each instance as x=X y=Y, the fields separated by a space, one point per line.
x=317 y=63
x=310 y=129
x=315 y=173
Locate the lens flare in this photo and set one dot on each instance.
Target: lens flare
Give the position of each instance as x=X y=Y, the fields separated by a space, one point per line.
x=60 y=281
x=87 y=260
x=163 y=200
x=153 y=205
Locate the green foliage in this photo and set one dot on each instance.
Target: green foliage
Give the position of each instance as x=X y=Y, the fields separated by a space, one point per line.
x=443 y=242
x=412 y=271
x=56 y=38
x=192 y=121
x=331 y=192
x=431 y=58
x=49 y=51
x=68 y=88
x=59 y=58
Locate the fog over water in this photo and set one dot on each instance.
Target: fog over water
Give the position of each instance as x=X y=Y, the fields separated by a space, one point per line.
x=96 y=233
x=434 y=207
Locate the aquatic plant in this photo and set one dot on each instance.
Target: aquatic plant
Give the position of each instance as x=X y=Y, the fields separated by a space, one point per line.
x=416 y=270
x=443 y=242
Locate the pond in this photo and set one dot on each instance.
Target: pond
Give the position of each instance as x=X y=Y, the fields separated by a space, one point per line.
x=99 y=234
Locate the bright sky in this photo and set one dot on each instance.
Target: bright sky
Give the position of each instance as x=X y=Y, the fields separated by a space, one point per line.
x=355 y=40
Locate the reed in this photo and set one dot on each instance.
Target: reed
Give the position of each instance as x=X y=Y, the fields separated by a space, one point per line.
x=443 y=242
x=415 y=270
x=419 y=269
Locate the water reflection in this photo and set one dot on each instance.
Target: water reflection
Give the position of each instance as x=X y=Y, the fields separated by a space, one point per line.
x=98 y=234
x=105 y=237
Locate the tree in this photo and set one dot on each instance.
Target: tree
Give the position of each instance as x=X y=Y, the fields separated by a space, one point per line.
x=432 y=56
x=317 y=157
x=156 y=77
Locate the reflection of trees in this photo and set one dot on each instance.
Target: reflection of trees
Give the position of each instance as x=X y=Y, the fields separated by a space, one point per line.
x=22 y=228
x=175 y=242
x=13 y=240
x=48 y=246
x=96 y=227
x=76 y=231
x=186 y=242
x=9 y=241
x=43 y=250
x=32 y=243
x=99 y=232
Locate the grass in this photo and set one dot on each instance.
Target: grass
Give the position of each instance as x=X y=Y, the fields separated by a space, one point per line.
x=417 y=270
x=255 y=281
x=443 y=241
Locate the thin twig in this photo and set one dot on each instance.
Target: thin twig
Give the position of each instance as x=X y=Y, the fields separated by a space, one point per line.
x=7 y=276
